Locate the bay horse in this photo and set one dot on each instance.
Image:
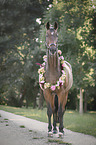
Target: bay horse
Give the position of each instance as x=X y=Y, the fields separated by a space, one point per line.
x=55 y=92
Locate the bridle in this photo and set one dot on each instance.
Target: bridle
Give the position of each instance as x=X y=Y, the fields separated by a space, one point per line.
x=52 y=44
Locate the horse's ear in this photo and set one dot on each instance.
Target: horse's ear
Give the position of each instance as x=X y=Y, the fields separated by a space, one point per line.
x=55 y=25
x=47 y=25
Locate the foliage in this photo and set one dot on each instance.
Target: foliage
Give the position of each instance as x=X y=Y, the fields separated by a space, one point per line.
x=19 y=50
x=76 y=25
x=21 y=46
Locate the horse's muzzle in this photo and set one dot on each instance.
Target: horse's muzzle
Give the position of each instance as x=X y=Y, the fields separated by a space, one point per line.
x=52 y=50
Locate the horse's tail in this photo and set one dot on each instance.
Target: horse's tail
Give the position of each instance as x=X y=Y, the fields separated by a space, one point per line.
x=56 y=107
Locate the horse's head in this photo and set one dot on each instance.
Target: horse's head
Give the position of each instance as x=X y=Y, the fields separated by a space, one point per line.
x=51 y=38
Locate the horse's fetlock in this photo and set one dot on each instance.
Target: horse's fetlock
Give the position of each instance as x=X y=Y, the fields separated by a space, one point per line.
x=49 y=128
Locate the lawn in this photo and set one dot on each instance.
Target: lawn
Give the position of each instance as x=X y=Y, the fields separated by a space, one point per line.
x=85 y=123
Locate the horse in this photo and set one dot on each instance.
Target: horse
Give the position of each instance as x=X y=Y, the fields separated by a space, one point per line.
x=57 y=81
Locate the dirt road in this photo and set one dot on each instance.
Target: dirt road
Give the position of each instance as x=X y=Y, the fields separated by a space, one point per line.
x=19 y=130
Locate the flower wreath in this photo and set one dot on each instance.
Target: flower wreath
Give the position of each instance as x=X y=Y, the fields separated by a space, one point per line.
x=41 y=72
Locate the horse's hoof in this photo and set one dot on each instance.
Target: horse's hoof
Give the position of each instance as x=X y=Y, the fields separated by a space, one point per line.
x=50 y=134
x=60 y=135
x=54 y=131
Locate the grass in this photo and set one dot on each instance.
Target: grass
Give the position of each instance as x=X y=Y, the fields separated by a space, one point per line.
x=38 y=137
x=85 y=123
x=5 y=119
x=30 y=130
x=7 y=125
x=58 y=141
x=30 y=113
x=22 y=126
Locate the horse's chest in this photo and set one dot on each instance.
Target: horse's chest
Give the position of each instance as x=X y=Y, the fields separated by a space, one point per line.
x=52 y=77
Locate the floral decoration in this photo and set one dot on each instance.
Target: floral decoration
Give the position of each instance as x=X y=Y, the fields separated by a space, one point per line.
x=59 y=82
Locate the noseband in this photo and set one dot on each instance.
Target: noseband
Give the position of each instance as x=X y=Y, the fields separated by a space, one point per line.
x=51 y=45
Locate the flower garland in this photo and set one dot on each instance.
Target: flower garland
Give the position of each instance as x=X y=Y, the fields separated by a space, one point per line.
x=41 y=72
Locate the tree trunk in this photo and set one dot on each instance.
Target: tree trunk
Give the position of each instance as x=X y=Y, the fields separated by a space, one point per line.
x=21 y=101
x=81 y=102
x=77 y=105
x=22 y=97
x=85 y=103
x=34 y=103
x=26 y=102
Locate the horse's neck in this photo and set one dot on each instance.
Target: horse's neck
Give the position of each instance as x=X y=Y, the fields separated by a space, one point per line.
x=52 y=63
x=52 y=68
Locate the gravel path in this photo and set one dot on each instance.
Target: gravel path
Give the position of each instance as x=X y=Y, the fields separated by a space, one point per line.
x=19 y=130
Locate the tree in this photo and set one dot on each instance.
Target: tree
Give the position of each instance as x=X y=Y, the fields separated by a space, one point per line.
x=19 y=49
x=75 y=21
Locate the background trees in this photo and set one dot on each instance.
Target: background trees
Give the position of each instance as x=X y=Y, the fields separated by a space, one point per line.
x=21 y=47
x=75 y=20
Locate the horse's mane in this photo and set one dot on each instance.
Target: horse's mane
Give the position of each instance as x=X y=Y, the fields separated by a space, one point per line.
x=69 y=76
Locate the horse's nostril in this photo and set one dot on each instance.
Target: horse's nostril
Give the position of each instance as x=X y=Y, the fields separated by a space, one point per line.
x=52 y=50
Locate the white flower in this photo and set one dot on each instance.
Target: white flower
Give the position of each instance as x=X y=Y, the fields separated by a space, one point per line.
x=63 y=71
x=43 y=64
x=47 y=85
x=40 y=75
x=59 y=52
x=45 y=58
x=41 y=70
x=42 y=82
x=41 y=79
x=61 y=58
x=61 y=80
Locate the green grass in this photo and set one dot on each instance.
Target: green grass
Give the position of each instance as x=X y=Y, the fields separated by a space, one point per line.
x=22 y=126
x=30 y=113
x=85 y=123
x=58 y=141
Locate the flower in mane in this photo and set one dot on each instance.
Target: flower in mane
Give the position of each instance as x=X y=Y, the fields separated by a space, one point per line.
x=59 y=82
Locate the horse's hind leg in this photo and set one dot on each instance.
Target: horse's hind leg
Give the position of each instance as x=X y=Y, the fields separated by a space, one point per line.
x=49 y=113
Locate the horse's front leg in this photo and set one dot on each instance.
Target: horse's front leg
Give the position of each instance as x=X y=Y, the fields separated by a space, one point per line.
x=54 y=123
x=60 y=115
x=49 y=113
x=62 y=102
